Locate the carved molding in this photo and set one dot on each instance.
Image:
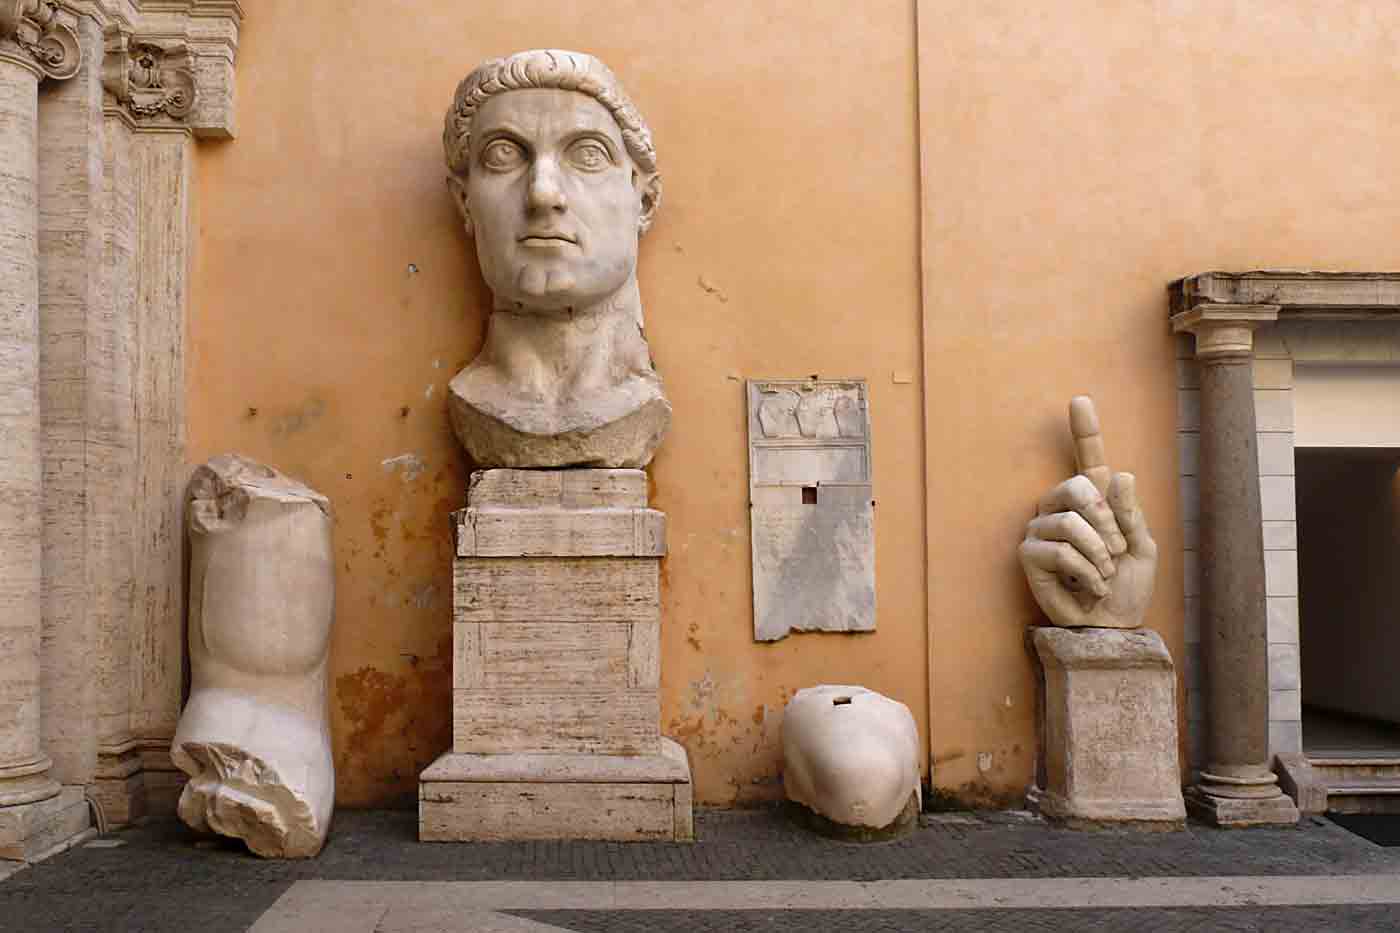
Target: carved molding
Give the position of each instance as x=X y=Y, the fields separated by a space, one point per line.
x=34 y=26
x=150 y=79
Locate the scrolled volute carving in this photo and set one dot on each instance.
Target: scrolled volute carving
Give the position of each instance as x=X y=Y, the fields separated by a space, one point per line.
x=150 y=79
x=34 y=26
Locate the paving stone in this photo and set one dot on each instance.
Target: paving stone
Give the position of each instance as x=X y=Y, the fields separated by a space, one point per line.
x=161 y=881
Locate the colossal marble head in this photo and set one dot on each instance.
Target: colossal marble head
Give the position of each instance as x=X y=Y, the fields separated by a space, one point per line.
x=554 y=171
x=555 y=174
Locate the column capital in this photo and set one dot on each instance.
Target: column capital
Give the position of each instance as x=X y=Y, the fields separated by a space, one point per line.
x=169 y=66
x=33 y=35
x=1223 y=330
x=151 y=81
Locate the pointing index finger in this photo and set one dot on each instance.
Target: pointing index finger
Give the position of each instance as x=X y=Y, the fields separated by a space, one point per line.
x=1088 y=442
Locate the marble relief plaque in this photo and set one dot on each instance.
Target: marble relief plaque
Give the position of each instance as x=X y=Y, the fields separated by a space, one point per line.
x=812 y=513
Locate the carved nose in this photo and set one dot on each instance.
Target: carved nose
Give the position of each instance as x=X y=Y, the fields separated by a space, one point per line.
x=546 y=193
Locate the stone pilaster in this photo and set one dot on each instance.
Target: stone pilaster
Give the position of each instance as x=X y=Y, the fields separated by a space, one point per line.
x=1237 y=787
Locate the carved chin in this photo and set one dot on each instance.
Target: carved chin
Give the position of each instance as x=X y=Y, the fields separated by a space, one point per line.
x=537 y=281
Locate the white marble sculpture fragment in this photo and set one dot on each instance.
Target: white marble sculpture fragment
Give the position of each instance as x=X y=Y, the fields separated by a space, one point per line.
x=554 y=171
x=1088 y=555
x=851 y=755
x=255 y=737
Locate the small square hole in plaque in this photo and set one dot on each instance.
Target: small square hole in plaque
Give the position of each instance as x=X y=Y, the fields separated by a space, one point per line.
x=809 y=495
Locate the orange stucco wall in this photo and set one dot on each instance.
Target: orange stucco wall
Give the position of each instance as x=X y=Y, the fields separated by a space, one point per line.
x=786 y=245
x=1077 y=156
x=974 y=205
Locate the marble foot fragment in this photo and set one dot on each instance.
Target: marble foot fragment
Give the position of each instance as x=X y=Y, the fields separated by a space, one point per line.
x=254 y=737
x=851 y=757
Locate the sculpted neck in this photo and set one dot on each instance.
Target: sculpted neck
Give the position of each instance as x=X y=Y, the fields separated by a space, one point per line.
x=569 y=353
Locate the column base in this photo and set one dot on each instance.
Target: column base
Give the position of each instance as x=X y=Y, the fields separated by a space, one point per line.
x=1241 y=812
x=498 y=798
x=33 y=831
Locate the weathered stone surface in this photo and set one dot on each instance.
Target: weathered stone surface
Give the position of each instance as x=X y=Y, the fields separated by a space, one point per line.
x=465 y=797
x=851 y=755
x=1088 y=555
x=812 y=511
x=255 y=738
x=565 y=377
x=1110 y=738
x=556 y=666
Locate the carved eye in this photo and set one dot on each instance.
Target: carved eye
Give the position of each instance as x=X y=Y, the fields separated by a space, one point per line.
x=502 y=155
x=589 y=155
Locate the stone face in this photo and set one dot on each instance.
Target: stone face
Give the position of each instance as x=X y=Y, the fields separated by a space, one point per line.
x=851 y=755
x=556 y=666
x=1088 y=555
x=812 y=507
x=254 y=737
x=555 y=174
x=1110 y=738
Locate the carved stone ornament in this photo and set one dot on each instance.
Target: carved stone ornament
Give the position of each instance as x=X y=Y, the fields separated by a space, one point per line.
x=33 y=25
x=554 y=172
x=150 y=79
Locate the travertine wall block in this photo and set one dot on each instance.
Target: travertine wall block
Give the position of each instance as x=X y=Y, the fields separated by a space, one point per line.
x=255 y=737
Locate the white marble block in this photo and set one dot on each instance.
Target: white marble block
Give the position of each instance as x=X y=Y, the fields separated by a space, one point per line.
x=851 y=756
x=1110 y=739
x=556 y=666
x=254 y=737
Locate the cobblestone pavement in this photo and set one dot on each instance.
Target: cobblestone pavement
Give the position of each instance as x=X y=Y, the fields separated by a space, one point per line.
x=158 y=877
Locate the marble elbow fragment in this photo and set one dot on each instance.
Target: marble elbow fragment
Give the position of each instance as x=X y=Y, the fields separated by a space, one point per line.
x=851 y=756
x=255 y=737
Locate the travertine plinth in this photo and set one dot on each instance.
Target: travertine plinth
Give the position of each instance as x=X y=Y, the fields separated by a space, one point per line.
x=1110 y=735
x=557 y=619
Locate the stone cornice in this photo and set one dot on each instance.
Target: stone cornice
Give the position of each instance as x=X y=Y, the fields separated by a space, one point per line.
x=34 y=33
x=1297 y=294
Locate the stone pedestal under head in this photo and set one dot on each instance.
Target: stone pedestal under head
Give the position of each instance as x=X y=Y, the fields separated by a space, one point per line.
x=851 y=756
x=555 y=174
x=556 y=667
x=1110 y=729
x=254 y=737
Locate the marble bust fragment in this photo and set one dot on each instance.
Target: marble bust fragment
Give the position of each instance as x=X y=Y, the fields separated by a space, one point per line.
x=254 y=737
x=554 y=172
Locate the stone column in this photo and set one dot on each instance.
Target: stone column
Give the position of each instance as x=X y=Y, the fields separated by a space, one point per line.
x=1237 y=787
x=23 y=766
x=35 y=812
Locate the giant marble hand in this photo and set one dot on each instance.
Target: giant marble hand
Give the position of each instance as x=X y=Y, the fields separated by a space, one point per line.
x=1088 y=555
x=555 y=175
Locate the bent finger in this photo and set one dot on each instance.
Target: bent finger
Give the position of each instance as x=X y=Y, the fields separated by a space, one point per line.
x=1079 y=494
x=1076 y=574
x=1122 y=498
x=1073 y=529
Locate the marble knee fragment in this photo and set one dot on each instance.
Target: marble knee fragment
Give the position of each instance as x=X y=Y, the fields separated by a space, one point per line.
x=851 y=756
x=255 y=737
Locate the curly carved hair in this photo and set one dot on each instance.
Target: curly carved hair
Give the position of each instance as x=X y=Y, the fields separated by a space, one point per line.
x=556 y=69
